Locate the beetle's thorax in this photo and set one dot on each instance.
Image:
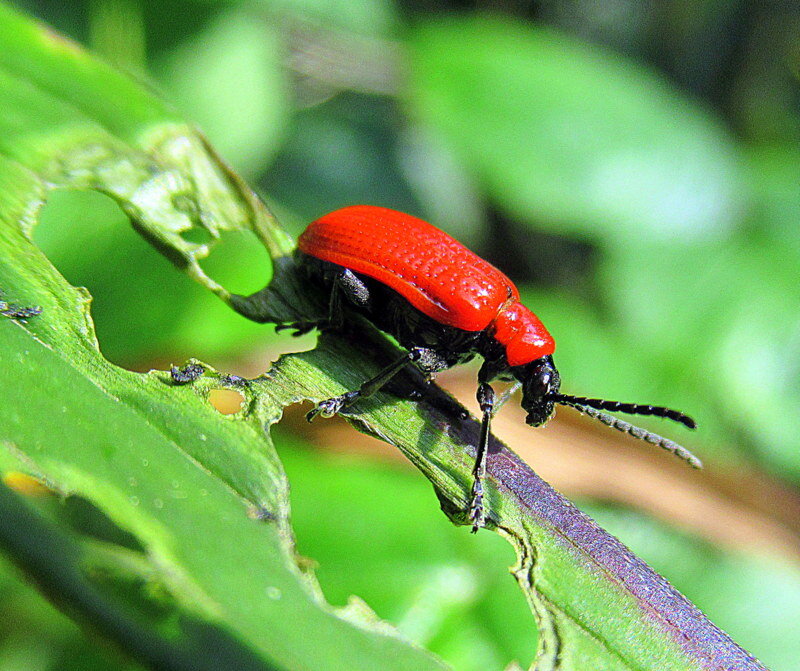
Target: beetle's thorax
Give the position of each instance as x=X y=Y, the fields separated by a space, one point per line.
x=521 y=334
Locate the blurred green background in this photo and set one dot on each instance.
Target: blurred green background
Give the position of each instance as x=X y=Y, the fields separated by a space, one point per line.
x=633 y=165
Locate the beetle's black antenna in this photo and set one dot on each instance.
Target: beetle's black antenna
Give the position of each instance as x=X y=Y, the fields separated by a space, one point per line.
x=627 y=408
x=637 y=432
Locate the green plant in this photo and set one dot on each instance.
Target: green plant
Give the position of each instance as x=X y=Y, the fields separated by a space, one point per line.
x=185 y=555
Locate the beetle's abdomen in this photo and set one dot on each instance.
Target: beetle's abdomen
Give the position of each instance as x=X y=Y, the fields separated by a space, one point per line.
x=432 y=271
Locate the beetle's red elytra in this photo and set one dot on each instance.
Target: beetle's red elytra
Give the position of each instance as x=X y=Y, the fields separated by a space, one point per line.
x=436 y=274
x=445 y=305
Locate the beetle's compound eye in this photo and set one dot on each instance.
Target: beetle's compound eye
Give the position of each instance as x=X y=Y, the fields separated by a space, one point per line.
x=543 y=382
x=539 y=381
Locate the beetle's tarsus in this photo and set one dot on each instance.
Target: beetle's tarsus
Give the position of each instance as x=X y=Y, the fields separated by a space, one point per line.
x=332 y=406
x=476 y=512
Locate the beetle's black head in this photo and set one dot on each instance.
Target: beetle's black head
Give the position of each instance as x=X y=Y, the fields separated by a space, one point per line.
x=540 y=381
x=540 y=393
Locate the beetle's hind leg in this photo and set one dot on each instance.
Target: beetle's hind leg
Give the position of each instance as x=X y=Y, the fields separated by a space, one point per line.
x=345 y=284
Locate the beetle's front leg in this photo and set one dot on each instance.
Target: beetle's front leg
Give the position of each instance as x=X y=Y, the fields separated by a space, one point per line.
x=486 y=399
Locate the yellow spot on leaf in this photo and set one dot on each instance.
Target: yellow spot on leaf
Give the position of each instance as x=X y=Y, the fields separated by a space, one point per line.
x=25 y=484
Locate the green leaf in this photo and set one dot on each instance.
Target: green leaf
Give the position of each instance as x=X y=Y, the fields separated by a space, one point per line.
x=747 y=590
x=572 y=137
x=229 y=78
x=69 y=121
x=204 y=496
x=763 y=296
x=189 y=485
x=596 y=603
x=446 y=589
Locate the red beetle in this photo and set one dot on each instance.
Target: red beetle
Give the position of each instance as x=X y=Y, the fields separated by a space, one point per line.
x=445 y=305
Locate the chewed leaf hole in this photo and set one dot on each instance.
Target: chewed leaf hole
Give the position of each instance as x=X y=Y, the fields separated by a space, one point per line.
x=227 y=401
x=143 y=311
x=91 y=242
x=239 y=262
x=197 y=235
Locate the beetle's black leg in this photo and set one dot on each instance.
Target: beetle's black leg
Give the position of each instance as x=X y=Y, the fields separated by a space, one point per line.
x=486 y=400
x=331 y=406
